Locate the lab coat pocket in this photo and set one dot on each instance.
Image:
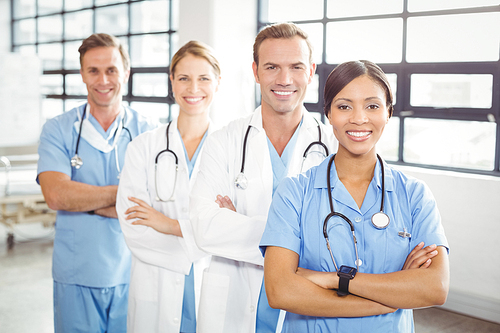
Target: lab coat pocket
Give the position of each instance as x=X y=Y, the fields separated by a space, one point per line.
x=213 y=302
x=64 y=256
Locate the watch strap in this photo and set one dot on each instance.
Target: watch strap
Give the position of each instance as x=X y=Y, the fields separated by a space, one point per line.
x=343 y=286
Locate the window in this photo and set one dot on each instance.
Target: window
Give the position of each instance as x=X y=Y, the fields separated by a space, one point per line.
x=54 y=30
x=442 y=61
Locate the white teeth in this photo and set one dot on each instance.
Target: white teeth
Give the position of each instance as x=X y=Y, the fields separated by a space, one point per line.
x=194 y=100
x=104 y=91
x=358 y=134
x=283 y=93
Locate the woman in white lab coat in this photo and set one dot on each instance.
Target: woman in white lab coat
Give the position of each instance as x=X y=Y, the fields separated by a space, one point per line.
x=153 y=202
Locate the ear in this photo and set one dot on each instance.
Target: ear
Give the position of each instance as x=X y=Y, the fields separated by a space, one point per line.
x=255 y=73
x=127 y=75
x=218 y=83
x=312 y=72
x=81 y=74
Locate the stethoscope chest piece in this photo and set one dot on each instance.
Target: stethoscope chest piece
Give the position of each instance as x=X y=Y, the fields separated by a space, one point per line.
x=380 y=220
x=241 y=181
x=76 y=161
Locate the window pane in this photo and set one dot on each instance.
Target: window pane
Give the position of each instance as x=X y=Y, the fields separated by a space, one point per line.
x=24 y=8
x=71 y=55
x=156 y=111
x=467 y=37
x=73 y=103
x=425 y=5
x=451 y=143
x=51 y=84
x=50 y=28
x=149 y=50
x=112 y=20
x=77 y=4
x=75 y=85
x=312 y=93
x=78 y=25
x=51 y=55
x=294 y=10
x=452 y=90
x=24 y=31
x=388 y=145
x=337 y=8
x=49 y=6
x=155 y=84
x=51 y=108
x=25 y=49
x=149 y=16
x=379 y=41
x=315 y=33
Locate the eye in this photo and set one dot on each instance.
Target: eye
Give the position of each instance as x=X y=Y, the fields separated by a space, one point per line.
x=183 y=78
x=343 y=107
x=373 y=107
x=271 y=67
x=205 y=79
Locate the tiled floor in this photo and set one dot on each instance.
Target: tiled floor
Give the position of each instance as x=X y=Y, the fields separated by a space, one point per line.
x=26 y=296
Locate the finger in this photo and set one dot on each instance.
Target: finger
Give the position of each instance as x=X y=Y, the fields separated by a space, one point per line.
x=138 y=201
x=426 y=264
x=135 y=209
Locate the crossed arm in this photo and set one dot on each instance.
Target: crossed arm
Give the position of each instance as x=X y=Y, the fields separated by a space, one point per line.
x=62 y=193
x=422 y=282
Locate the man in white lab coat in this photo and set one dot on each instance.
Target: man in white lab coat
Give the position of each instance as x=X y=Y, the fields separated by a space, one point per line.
x=241 y=166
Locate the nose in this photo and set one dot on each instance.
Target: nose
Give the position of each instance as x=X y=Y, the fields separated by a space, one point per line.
x=193 y=86
x=284 y=77
x=359 y=116
x=103 y=78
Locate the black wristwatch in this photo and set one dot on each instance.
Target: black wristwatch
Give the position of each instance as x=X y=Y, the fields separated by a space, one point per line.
x=345 y=274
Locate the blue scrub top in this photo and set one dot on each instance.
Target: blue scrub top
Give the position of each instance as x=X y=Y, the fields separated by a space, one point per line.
x=295 y=222
x=89 y=250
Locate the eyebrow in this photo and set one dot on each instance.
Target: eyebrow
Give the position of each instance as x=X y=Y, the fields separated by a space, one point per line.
x=349 y=100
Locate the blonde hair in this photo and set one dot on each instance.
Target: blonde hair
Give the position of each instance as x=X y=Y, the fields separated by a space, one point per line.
x=197 y=49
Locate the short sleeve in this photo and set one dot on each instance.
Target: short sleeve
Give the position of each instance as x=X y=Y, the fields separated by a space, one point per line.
x=52 y=150
x=283 y=221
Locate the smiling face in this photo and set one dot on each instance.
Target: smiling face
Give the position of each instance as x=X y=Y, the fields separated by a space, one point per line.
x=194 y=84
x=104 y=74
x=284 y=71
x=358 y=115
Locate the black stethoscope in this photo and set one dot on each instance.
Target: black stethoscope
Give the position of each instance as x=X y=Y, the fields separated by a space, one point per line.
x=380 y=220
x=77 y=162
x=241 y=180
x=167 y=150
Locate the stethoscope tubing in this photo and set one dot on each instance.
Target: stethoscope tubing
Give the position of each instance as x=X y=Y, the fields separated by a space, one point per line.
x=167 y=150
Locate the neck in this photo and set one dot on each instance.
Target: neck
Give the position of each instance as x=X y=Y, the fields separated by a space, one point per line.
x=280 y=126
x=192 y=129
x=105 y=115
x=354 y=167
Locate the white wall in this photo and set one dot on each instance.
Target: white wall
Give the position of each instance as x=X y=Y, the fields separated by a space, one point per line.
x=470 y=211
x=230 y=29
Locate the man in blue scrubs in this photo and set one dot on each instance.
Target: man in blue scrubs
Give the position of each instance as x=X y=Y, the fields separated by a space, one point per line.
x=81 y=155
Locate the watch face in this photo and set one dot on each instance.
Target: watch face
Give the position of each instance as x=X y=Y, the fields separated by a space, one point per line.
x=347 y=270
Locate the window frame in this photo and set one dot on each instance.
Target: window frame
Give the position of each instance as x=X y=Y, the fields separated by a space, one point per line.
x=404 y=70
x=129 y=97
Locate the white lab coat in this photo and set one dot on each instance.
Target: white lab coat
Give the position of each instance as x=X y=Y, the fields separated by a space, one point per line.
x=232 y=283
x=159 y=262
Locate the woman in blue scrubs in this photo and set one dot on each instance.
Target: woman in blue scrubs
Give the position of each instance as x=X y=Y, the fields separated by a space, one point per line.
x=370 y=282
x=153 y=201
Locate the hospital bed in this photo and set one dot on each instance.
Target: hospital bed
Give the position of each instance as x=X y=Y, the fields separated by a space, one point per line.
x=21 y=200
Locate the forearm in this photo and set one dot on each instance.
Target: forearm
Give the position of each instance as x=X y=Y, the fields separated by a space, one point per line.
x=289 y=291
x=408 y=289
x=107 y=212
x=62 y=193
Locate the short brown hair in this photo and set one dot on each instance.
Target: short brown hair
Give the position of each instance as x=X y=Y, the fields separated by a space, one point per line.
x=344 y=73
x=280 y=30
x=104 y=40
x=197 y=49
